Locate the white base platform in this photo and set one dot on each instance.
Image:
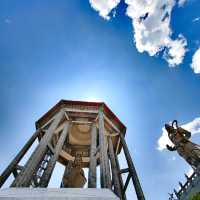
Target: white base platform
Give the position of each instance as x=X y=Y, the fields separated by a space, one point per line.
x=56 y=194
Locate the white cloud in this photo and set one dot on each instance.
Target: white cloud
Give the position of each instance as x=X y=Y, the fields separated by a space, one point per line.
x=163 y=140
x=104 y=6
x=152 y=32
x=181 y=3
x=151 y=26
x=195 y=65
x=193 y=127
x=176 y=51
x=196 y=19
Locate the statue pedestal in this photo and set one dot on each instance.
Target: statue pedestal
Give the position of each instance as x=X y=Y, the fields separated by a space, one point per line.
x=56 y=194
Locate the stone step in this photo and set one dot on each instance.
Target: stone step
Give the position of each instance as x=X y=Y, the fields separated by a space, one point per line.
x=56 y=194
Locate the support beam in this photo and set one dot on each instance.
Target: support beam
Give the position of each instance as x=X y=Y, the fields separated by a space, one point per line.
x=82 y=122
x=115 y=177
x=52 y=162
x=117 y=148
x=111 y=124
x=51 y=148
x=104 y=167
x=80 y=110
x=132 y=169
x=6 y=173
x=97 y=151
x=15 y=173
x=120 y=177
x=17 y=168
x=126 y=183
x=123 y=171
x=25 y=177
x=93 y=161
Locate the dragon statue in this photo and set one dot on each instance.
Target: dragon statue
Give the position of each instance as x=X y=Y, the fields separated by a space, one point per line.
x=181 y=143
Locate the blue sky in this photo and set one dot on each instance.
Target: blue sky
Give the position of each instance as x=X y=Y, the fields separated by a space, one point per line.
x=52 y=50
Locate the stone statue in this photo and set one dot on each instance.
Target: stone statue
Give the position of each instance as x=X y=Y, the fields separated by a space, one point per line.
x=76 y=178
x=181 y=143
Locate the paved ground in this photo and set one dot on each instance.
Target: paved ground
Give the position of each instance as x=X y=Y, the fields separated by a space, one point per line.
x=56 y=194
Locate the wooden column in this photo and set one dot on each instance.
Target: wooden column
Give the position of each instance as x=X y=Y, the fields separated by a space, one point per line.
x=93 y=161
x=132 y=169
x=120 y=176
x=52 y=162
x=24 y=178
x=104 y=163
x=11 y=167
x=115 y=175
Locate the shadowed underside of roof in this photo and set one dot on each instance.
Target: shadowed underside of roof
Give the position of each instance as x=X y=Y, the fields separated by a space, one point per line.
x=62 y=103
